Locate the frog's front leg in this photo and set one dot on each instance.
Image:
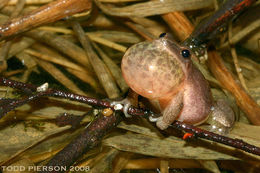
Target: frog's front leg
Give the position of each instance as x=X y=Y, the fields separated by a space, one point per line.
x=171 y=112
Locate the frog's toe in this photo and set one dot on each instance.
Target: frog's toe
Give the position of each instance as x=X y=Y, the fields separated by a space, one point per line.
x=161 y=124
x=153 y=118
x=123 y=104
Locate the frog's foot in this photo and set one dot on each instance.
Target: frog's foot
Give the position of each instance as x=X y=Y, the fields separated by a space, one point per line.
x=154 y=118
x=123 y=104
x=222 y=117
x=162 y=124
x=219 y=129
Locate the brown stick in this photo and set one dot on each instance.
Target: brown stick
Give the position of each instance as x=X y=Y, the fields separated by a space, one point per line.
x=87 y=140
x=46 y=14
x=244 y=101
x=198 y=132
x=7 y=105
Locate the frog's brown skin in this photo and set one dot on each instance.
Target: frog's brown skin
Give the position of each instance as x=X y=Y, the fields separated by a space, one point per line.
x=158 y=71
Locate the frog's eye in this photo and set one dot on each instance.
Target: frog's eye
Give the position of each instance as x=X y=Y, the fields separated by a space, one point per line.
x=162 y=35
x=185 y=53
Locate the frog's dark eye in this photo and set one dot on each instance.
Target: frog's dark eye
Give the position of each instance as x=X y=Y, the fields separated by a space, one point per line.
x=162 y=35
x=185 y=53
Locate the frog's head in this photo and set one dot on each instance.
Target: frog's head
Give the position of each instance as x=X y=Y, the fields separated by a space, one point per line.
x=155 y=69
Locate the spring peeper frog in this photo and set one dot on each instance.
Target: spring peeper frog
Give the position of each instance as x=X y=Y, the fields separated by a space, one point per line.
x=162 y=70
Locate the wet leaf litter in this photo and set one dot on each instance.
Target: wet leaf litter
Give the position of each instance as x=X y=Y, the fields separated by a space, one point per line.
x=51 y=53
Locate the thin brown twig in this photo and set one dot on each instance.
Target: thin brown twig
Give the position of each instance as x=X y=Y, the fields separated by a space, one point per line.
x=46 y=14
x=30 y=2
x=11 y=104
x=198 y=132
